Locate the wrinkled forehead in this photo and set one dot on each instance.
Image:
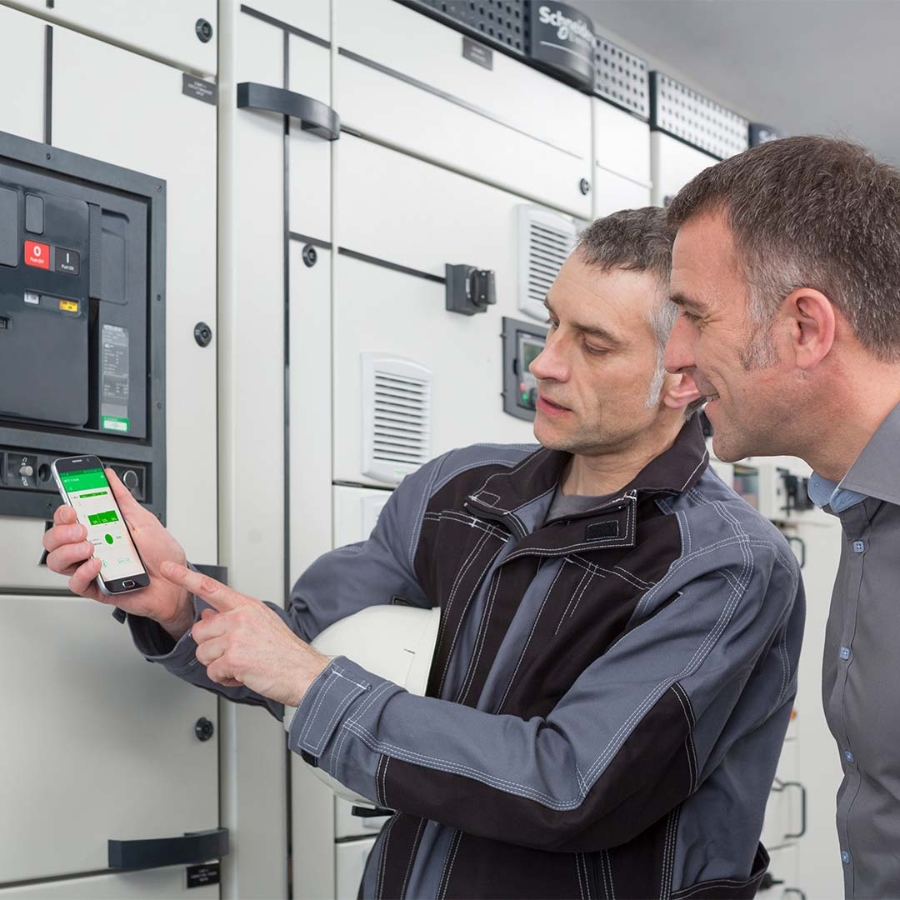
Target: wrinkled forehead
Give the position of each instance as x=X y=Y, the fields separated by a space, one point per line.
x=706 y=267
x=613 y=294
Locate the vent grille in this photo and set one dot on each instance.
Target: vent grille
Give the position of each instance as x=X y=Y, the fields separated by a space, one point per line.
x=397 y=417
x=687 y=114
x=622 y=77
x=545 y=241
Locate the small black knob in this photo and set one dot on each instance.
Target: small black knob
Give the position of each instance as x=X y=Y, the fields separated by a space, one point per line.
x=310 y=257
x=202 y=334
x=204 y=31
x=130 y=479
x=584 y=186
x=204 y=729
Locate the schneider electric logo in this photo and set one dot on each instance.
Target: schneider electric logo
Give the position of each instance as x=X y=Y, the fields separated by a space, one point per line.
x=566 y=29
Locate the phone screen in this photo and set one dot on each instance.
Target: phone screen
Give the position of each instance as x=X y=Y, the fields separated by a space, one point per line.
x=92 y=499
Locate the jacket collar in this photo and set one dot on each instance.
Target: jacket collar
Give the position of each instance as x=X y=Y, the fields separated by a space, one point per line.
x=521 y=496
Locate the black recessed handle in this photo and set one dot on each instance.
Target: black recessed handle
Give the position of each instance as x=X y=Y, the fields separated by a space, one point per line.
x=313 y=116
x=195 y=847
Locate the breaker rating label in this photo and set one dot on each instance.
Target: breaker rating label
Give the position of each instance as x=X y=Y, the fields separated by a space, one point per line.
x=37 y=255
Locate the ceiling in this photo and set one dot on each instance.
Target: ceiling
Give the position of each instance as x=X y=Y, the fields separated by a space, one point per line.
x=805 y=66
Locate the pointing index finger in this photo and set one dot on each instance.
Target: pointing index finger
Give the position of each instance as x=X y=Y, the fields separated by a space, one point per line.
x=216 y=594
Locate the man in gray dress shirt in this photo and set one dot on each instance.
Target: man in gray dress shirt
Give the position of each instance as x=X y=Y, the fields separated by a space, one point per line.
x=786 y=271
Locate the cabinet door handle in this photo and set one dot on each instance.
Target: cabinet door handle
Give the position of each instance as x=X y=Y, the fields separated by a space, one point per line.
x=779 y=786
x=313 y=116
x=194 y=847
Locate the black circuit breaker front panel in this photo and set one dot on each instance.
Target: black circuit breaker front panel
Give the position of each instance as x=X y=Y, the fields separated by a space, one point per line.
x=82 y=355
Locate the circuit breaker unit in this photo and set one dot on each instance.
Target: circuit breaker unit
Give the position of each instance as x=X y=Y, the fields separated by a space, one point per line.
x=82 y=323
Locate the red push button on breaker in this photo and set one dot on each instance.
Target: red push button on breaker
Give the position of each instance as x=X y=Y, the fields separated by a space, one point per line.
x=37 y=255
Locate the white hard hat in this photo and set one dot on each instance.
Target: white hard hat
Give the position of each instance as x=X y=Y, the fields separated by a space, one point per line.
x=395 y=642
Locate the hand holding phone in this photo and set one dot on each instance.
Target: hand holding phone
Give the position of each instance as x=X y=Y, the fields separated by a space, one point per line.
x=75 y=543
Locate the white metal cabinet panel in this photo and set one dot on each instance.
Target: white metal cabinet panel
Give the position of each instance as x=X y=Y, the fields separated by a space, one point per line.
x=98 y=744
x=310 y=409
x=251 y=430
x=350 y=865
x=310 y=155
x=26 y=5
x=612 y=193
x=356 y=511
x=621 y=142
x=312 y=16
x=170 y=883
x=22 y=74
x=382 y=311
x=165 y=29
x=132 y=104
x=672 y=165
x=312 y=829
x=512 y=126
x=22 y=552
x=419 y=215
x=347 y=825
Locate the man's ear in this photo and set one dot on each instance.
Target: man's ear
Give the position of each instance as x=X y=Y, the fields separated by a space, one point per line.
x=812 y=320
x=680 y=391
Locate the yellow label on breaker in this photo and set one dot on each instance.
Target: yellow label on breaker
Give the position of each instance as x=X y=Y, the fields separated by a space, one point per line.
x=68 y=305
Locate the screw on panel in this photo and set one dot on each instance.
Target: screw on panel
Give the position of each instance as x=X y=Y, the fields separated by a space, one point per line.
x=203 y=334
x=204 y=729
x=310 y=257
x=584 y=186
x=204 y=31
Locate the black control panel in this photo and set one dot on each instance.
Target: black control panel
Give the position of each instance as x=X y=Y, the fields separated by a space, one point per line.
x=82 y=322
x=522 y=342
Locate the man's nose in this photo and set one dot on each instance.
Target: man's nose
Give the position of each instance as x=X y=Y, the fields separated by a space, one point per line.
x=679 y=355
x=550 y=362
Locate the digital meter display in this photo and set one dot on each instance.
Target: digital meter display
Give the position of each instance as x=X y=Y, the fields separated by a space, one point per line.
x=529 y=349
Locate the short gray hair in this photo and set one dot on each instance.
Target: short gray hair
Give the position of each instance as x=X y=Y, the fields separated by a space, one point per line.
x=811 y=212
x=637 y=240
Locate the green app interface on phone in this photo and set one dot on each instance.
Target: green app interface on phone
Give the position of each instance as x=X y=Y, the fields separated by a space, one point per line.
x=92 y=499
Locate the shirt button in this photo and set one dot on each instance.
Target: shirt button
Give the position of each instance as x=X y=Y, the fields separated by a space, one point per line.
x=845 y=653
x=849 y=756
x=845 y=857
x=859 y=546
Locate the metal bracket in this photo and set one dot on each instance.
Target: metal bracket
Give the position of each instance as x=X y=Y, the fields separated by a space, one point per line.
x=315 y=117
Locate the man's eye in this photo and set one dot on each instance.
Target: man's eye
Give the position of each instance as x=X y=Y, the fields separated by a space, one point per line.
x=596 y=351
x=551 y=324
x=691 y=317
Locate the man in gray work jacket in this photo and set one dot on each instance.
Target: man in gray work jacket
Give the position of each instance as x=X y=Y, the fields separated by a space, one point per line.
x=787 y=272
x=616 y=660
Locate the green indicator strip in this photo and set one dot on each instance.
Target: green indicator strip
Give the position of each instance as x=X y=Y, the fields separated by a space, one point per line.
x=103 y=518
x=85 y=480
x=95 y=494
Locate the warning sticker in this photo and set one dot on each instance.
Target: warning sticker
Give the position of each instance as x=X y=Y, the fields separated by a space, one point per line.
x=114 y=379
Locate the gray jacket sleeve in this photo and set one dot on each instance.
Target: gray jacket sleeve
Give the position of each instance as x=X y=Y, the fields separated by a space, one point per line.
x=637 y=733
x=344 y=581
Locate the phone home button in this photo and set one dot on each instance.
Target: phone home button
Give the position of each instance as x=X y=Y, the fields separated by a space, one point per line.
x=127 y=584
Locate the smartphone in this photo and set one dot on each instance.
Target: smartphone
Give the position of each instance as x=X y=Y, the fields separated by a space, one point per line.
x=83 y=485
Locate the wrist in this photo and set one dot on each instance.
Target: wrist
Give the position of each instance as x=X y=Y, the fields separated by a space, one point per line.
x=182 y=622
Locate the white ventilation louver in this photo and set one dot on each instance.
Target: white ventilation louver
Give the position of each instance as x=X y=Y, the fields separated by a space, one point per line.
x=396 y=410
x=545 y=241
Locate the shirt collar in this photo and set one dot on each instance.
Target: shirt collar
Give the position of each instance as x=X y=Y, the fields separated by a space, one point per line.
x=824 y=493
x=874 y=474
